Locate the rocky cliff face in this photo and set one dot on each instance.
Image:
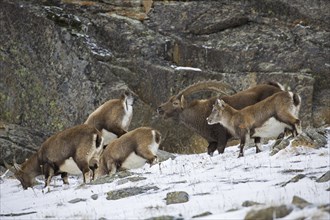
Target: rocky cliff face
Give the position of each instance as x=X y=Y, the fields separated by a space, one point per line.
x=61 y=59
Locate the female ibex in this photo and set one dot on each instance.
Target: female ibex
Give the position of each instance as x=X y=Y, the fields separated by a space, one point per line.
x=130 y=151
x=75 y=146
x=264 y=119
x=193 y=114
x=113 y=117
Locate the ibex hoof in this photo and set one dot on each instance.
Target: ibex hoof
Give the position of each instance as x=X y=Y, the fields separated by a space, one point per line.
x=155 y=161
x=240 y=155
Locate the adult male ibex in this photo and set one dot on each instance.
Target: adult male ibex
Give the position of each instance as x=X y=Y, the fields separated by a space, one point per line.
x=193 y=114
x=68 y=151
x=264 y=119
x=130 y=151
x=113 y=117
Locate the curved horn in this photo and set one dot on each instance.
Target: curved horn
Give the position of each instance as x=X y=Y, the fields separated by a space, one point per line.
x=10 y=168
x=16 y=165
x=210 y=85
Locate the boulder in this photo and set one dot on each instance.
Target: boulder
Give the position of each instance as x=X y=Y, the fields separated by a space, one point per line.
x=176 y=197
x=269 y=213
x=127 y=192
x=324 y=178
x=299 y=202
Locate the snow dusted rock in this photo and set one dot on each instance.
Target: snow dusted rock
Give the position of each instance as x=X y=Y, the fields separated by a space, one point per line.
x=318 y=135
x=300 y=202
x=250 y=203
x=303 y=140
x=269 y=213
x=165 y=217
x=95 y=196
x=73 y=201
x=295 y=179
x=127 y=192
x=202 y=214
x=325 y=208
x=279 y=145
x=324 y=178
x=164 y=155
x=176 y=197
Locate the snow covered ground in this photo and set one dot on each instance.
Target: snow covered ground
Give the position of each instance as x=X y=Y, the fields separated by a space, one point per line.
x=218 y=185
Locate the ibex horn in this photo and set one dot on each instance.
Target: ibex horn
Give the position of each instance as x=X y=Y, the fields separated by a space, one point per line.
x=10 y=168
x=16 y=165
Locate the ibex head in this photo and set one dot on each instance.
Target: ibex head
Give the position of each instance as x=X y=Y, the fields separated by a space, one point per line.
x=25 y=179
x=173 y=107
x=177 y=103
x=217 y=112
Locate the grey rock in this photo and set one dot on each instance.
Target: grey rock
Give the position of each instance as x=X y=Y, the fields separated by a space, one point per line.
x=279 y=145
x=73 y=201
x=299 y=202
x=127 y=192
x=324 y=178
x=295 y=179
x=176 y=197
x=250 y=203
x=130 y=179
x=325 y=207
x=202 y=214
x=95 y=196
x=163 y=155
x=269 y=213
x=318 y=136
x=103 y=180
x=163 y=217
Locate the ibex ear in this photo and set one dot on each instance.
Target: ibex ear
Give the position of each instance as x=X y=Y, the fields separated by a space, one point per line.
x=183 y=101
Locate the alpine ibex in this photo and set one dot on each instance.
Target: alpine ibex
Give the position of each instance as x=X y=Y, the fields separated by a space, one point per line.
x=130 y=151
x=193 y=114
x=113 y=117
x=264 y=119
x=68 y=151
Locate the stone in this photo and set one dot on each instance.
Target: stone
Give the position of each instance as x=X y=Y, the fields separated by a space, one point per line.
x=299 y=202
x=295 y=179
x=324 y=178
x=250 y=203
x=127 y=192
x=163 y=217
x=303 y=140
x=176 y=197
x=269 y=213
x=95 y=196
x=73 y=201
x=163 y=155
x=202 y=214
x=318 y=136
x=279 y=145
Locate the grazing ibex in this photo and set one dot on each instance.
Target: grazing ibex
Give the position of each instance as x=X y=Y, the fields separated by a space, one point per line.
x=68 y=151
x=130 y=151
x=113 y=117
x=264 y=119
x=193 y=114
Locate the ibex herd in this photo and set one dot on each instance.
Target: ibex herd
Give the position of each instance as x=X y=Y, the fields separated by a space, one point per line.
x=104 y=145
